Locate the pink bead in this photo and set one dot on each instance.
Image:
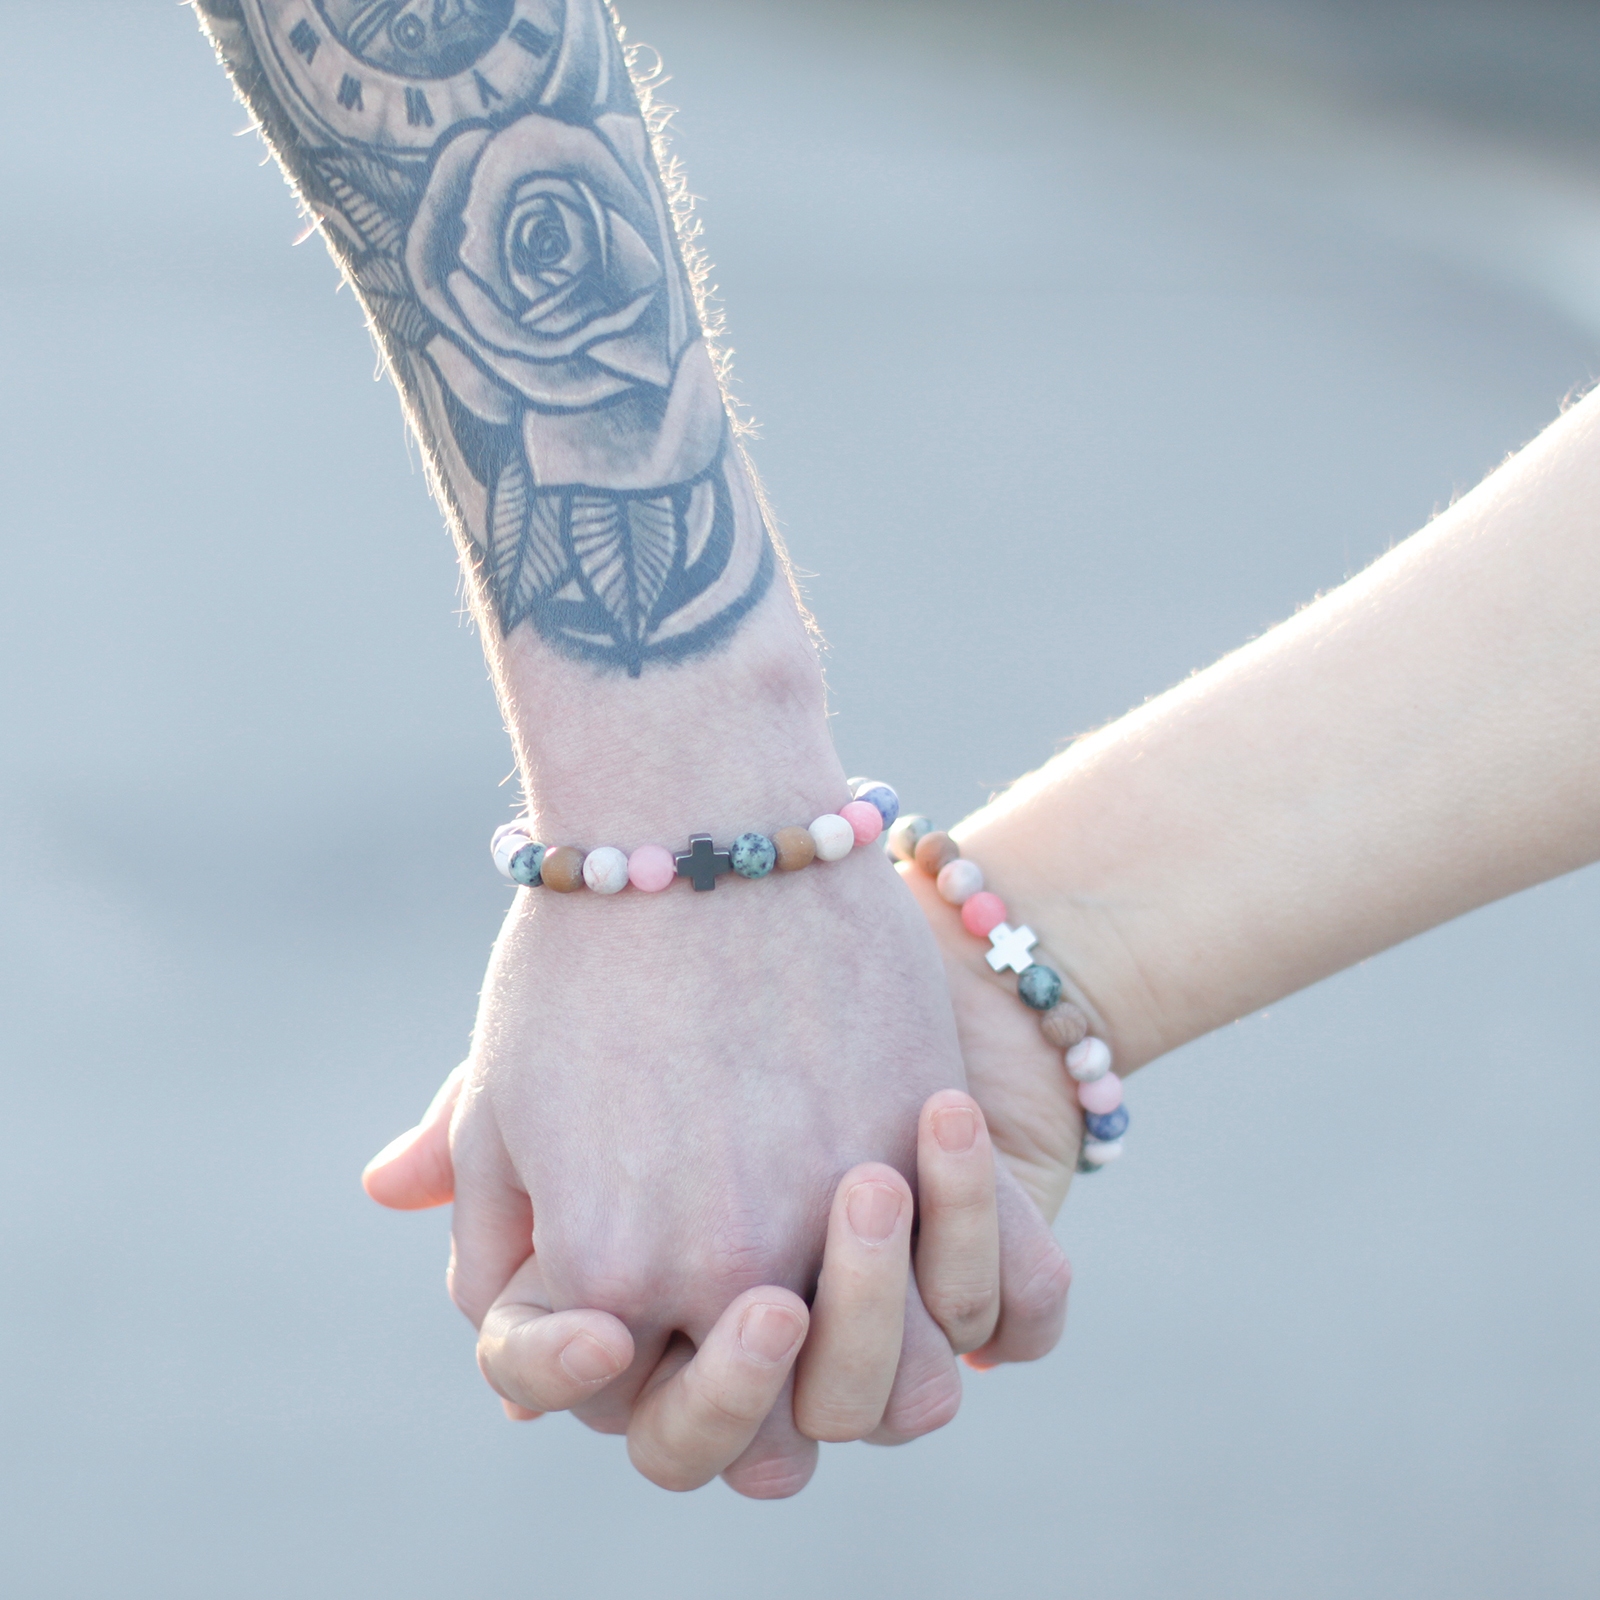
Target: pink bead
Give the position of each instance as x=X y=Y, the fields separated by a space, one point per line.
x=982 y=913
x=651 y=868
x=865 y=818
x=1102 y=1096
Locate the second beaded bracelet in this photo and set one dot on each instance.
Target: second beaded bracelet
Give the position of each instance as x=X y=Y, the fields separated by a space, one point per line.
x=1065 y=1025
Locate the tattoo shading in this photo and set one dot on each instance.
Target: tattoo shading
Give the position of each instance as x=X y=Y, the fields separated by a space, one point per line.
x=483 y=172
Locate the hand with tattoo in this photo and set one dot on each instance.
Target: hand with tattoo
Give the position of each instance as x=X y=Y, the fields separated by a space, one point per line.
x=666 y=1090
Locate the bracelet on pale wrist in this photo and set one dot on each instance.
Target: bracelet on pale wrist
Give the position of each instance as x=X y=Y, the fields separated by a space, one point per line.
x=1066 y=1025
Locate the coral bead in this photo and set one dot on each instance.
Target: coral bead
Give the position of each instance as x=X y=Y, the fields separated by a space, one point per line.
x=1089 y=1059
x=1101 y=1095
x=906 y=834
x=605 y=870
x=959 y=880
x=865 y=818
x=652 y=868
x=833 y=837
x=982 y=913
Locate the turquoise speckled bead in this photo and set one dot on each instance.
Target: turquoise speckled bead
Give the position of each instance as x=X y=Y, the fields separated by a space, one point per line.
x=1086 y=1166
x=753 y=855
x=509 y=838
x=880 y=795
x=1039 y=987
x=904 y=834
x=526 y=865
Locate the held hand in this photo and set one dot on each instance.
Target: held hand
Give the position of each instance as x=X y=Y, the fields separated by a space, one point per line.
x=699 y=1411
x=663 y=1107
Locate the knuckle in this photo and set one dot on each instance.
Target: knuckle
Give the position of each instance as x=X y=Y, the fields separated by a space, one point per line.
x=835 y=1423
x=962 y=1309
x=773 y=1477
x=662 y=1469
x=1040 y=1295
x=741 y=1254
x=467 y=1293
x=625 y=1288
x=924 y=1406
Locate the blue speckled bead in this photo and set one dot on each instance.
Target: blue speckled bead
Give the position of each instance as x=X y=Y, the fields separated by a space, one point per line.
x=880 y=795
x=525 y=866
x=1111 y=1126
x=753 y=855
x=1039 y=987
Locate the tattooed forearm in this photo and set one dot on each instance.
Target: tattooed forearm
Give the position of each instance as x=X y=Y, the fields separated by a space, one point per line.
x=484 y=175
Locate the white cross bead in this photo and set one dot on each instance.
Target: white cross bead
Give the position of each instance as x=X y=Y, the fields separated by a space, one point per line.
x=1011 y=947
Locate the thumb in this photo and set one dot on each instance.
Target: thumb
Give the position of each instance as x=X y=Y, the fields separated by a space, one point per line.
x=415 y=1171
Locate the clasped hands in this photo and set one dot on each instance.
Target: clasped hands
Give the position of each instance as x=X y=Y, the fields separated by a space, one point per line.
x=681 y=1156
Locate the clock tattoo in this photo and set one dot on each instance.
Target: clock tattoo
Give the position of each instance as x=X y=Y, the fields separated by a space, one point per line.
x=483 y=172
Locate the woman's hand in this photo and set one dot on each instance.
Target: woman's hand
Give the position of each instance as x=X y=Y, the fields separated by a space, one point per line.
x=1015 y=1074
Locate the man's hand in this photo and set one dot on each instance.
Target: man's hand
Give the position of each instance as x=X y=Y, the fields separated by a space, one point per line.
x=661 y=1098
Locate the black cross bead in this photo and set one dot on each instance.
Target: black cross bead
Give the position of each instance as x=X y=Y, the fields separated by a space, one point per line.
x=702 y=861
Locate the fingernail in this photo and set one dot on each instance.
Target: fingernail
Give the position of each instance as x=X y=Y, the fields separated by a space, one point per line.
x=956 y=1129
x=873 y=1210
x=770 y=1333
x=583 y=1357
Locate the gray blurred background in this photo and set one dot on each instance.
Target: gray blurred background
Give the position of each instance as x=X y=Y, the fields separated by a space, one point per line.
x=1089 y=340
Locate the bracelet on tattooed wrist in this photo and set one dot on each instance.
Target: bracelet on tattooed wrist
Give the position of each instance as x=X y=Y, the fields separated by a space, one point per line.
x=652 y=867
x=1065 y=1025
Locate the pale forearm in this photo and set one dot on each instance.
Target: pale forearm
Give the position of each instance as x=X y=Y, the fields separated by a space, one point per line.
x=1420 y=741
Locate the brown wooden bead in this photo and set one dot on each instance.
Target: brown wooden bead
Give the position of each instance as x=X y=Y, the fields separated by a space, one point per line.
x=796 y=848
x=563 y=869
x=935 y=852
x=1064 y=1025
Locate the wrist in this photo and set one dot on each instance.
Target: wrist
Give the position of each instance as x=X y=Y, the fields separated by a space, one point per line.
x=1087 y=928
x=721 y=745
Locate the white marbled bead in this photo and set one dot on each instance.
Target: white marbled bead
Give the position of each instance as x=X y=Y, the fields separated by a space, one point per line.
x=833 y=837
x=509 y=838
x=959 y=880
x=1089 y=1059
x=1101 y=1152
x=606 y=870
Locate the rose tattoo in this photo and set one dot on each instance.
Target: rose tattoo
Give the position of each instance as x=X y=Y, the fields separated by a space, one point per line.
x=521 y=262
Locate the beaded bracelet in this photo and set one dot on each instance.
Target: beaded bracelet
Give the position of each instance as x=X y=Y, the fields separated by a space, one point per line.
x=960 y=882
x=652 y=867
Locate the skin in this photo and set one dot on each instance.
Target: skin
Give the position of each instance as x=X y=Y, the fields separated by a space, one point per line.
x=1421 y=741
x=664 y=1092
x=720 y=1405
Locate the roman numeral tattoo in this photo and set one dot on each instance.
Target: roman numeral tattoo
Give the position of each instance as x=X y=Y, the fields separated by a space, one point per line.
x=485 y=177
